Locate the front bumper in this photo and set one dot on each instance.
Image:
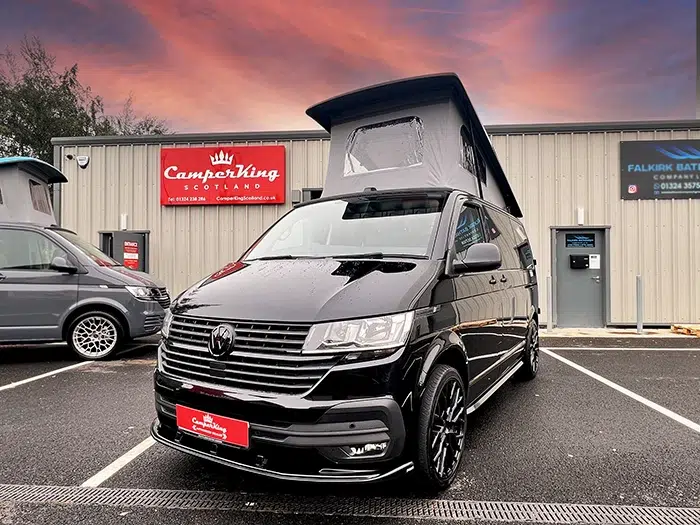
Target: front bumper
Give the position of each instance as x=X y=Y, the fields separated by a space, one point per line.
x=146 y=319
x=290 y=439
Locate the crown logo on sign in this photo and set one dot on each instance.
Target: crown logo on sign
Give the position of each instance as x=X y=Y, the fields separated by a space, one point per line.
x=221 y=158
x=208 y=418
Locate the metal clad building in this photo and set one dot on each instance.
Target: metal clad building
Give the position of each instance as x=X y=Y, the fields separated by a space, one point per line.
x=566 y=178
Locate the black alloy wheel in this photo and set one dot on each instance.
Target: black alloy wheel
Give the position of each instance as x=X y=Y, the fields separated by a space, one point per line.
x=531 y=359
x=442 y=428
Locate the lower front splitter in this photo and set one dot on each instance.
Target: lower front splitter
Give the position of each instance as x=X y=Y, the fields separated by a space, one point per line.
x=330 y=475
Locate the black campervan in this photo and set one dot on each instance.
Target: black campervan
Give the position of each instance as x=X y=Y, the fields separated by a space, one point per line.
x=353 y=338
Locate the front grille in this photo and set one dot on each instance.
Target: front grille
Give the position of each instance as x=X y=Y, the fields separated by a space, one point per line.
x=162 y=296
x=266 y=356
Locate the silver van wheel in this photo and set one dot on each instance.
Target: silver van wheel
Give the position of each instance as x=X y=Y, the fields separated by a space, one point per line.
x=94 y=336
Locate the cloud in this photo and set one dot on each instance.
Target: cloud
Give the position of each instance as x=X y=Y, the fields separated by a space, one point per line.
x=257 y=64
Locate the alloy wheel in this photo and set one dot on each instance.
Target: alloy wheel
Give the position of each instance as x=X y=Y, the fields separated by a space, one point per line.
x=534 y=344
x=447 y=430
x=94 y=337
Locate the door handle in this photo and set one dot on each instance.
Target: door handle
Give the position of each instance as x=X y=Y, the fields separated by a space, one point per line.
x=492 y=280
x=504 y=279
x=2 y=277
x=596 y=278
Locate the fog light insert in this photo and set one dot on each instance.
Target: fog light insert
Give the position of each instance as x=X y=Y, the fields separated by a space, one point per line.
x=367 y=450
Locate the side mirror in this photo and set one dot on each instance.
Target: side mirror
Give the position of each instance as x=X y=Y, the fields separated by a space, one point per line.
x=481 y=257
x=60 y=264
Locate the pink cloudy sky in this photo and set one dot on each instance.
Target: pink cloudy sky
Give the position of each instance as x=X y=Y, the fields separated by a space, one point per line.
x=234 y=65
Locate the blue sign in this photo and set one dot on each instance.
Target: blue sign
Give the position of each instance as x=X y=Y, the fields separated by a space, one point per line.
x=580 y=240
x=660 y=169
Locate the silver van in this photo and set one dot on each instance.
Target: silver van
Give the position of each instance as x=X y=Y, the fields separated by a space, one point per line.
x=55 y=286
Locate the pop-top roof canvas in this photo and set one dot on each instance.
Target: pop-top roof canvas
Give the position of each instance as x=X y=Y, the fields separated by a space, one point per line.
x=414 y=133
x=24 y=190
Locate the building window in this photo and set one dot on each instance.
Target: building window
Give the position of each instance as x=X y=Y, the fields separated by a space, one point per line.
x=40 y=197
x=310 y=194
x=472 y=161
x=393 y=144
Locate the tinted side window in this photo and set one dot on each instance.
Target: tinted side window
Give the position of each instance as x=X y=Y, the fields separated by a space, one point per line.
x=27 y=250
x=522 y=245
x=469 y=230
x=500 y=232
x=1 y=201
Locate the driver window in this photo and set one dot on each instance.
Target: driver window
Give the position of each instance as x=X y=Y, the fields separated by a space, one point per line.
x=27 y=250
x=469 y=231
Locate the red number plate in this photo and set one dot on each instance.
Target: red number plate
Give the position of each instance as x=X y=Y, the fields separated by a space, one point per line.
x=218 y=428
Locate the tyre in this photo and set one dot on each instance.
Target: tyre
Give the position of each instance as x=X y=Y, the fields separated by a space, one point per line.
x=94 y=335
x=442 y=427
x=531 y=359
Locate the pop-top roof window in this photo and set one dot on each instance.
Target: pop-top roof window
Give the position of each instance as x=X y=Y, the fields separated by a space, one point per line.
x=40 y=197
x=392 y=144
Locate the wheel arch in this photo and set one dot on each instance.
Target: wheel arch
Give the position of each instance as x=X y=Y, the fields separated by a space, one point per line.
x=123 y=322
x=447 y=349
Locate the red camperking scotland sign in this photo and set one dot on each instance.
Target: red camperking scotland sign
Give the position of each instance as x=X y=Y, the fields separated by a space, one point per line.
x=222 y=175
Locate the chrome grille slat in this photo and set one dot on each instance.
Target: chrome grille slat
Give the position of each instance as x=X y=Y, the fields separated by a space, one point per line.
x=266 y=340
x=286 y=368
x=268 y=387
x=266 y=356
x=228 y=373
x=271 y=356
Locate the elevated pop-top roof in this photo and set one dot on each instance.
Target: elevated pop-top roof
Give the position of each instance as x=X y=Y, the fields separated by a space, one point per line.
x=394 y=95
x=36 y=167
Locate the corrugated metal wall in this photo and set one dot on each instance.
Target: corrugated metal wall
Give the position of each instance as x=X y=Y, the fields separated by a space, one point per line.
x=186 y=242
x=552 y=174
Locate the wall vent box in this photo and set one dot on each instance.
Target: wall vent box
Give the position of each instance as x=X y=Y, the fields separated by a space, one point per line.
x=579 y=262
x=24 y=190
x=127 y=247
x=420 y=132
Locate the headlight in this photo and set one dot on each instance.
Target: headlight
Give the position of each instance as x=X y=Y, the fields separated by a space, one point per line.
x=167 y=321
x=140 y=292
x=387 y=332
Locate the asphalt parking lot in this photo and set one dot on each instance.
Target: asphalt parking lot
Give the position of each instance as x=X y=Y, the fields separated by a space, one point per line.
x=613 y=427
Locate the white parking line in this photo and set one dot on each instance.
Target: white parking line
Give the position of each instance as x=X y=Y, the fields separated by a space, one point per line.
x=666 y=412
x=118 y=464
x=618 y=348
x=42 y=376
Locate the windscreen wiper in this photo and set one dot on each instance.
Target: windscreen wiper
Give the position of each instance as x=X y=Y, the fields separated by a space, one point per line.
x=377 y=255
x=281 y=257
x=272 y=258
x=369 y=255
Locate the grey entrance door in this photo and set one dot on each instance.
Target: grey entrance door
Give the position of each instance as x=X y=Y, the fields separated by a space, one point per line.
x=580 y=278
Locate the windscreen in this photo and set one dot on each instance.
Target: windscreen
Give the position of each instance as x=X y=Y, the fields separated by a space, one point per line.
x=88 y=249
x=398 y=226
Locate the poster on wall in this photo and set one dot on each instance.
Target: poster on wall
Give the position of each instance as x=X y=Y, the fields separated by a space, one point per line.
x=131 y=255
x=222 y=175
x=660 y=169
